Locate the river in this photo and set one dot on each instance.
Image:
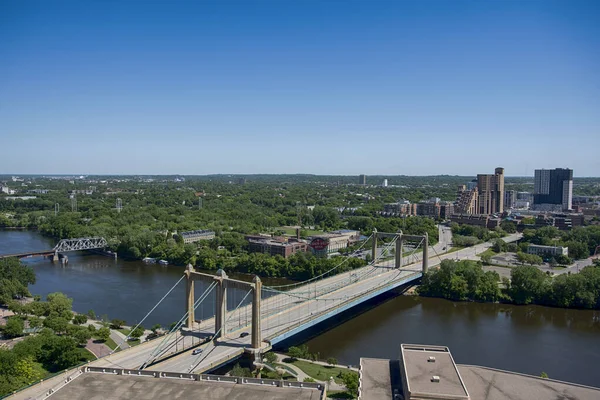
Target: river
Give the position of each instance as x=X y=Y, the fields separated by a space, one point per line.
x=529 y=339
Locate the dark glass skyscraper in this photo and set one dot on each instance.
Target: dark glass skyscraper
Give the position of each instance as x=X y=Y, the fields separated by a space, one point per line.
x=554 y=186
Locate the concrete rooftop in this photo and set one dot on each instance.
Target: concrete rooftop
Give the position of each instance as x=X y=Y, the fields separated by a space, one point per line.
x=377 y=379
x=95 y=386
x=490 y=384
x=421 y=363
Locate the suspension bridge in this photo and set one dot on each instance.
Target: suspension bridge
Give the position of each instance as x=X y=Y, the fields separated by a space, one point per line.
x=268 y=315
x=64 y=246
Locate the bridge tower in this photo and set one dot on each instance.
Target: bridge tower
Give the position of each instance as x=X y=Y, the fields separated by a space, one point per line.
x=221 y=305
x=401 y=238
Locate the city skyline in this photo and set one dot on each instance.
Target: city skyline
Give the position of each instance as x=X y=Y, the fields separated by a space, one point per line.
x=411 y=88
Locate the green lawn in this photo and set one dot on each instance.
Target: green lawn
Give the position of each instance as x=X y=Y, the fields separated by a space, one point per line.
x=321 y=372
x=336 y=394
x=489 y=252
x=292 y=231
x=85 y=355
x=109 y=342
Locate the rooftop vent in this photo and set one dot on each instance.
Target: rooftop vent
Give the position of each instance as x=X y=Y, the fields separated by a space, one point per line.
x=431 y=359
x=435 y=378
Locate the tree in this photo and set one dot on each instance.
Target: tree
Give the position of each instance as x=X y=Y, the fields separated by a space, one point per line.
x=270 y=357
x=80 y=319
x=60 y=305
x=544 y=375
x=155 y=328
x=14 y=327
x=57 y=324
x=15 y=279
x=137 y=332
x=350 y=380
x=295 y=352
x=35 y=322
x=82 y=335
x=332 y=361
x=237 y=370
x=91 y=314
x=103 y=334
x=117 y=323
x=528 y=284
x=59 y=352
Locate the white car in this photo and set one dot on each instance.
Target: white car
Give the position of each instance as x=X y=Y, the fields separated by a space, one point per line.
x=196 y=352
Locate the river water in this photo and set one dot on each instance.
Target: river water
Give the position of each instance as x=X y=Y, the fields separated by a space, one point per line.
x=529 y=339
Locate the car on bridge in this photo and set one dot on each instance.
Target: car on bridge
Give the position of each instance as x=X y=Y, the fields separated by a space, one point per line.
x=244 y=334
x=196 y=352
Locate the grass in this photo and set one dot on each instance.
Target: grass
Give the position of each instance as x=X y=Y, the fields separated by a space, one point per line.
x=85 y=355
x=292 y=231
x=337 y=394
x=321 y=372
x=109 y=342
x=488 y=252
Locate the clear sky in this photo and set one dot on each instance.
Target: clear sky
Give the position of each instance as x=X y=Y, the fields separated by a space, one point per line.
x=325 y=87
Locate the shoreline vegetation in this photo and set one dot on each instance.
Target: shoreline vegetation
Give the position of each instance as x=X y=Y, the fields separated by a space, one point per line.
x=466 y=281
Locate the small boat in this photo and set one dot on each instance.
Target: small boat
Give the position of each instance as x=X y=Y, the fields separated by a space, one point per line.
x=163 y=262
x=149 y=260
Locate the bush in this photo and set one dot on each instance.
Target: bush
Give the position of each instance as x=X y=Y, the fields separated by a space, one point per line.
x=270 y=357
x=80 y=319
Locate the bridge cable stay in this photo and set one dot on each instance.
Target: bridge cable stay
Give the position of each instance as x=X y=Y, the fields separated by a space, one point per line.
x=158 y=349
x=286 y=299
x=153 y=308
x=326 y=272
x=206 y=352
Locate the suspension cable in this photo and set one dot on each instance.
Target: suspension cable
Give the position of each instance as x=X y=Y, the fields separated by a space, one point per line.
x=176 y=327
x=221 y=328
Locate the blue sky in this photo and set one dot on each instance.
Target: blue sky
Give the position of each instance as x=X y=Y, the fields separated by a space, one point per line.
x=324 y=87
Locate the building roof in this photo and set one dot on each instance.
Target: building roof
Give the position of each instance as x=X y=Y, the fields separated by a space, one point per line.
x=377 y=379
x=117 y=387
x=420 y=364
x=198 y=232
x=490 y=384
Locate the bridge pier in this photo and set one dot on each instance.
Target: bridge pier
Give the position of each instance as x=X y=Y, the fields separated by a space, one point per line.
x=190 y=296
x=256 y=337
x=55 y=257
x=374 y=244
x=221 y=306
x=399 y=248
x=425 y=252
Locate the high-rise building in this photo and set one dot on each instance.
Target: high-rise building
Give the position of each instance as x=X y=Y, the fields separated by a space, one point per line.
x=466 y=200
x=553 y=187
x=510 y=198
x=362 y=179
x=491 y=192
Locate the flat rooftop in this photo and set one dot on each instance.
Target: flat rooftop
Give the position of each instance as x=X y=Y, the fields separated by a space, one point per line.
x=377 y=382
x=491 y=384
x=379 y=379
x=420 y=364
x=97 y=386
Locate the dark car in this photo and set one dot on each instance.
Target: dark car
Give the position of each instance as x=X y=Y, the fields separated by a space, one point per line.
x=196 y=352
x=244 y=334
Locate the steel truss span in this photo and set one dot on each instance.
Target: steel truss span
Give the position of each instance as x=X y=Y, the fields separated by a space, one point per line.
x=80 y=244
